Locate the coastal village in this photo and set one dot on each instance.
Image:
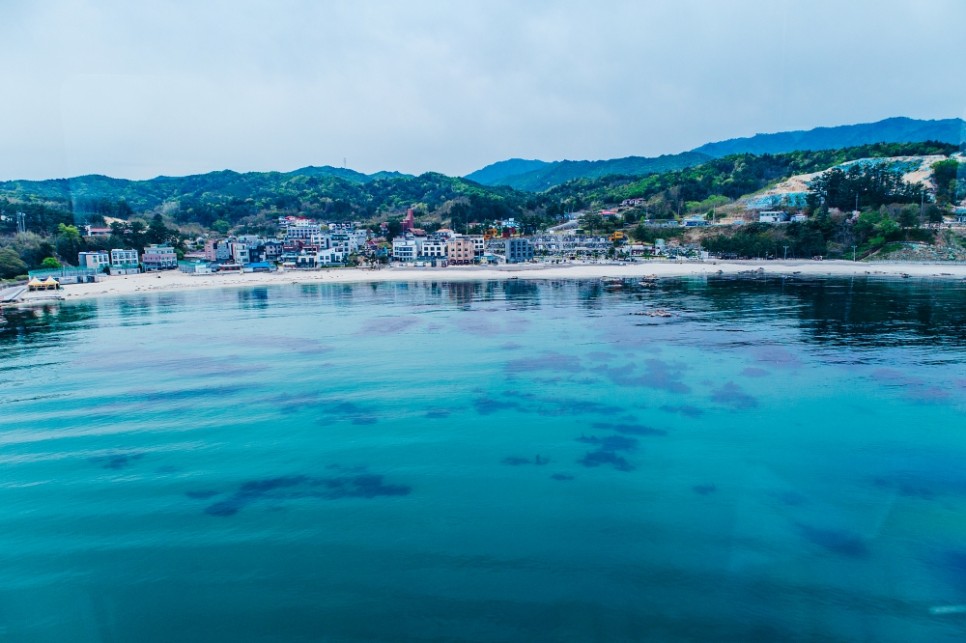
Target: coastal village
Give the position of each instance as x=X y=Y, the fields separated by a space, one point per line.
x=306 y=244
x=309 y=244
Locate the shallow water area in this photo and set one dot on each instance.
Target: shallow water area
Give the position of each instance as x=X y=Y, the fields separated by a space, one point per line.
x=780 y=459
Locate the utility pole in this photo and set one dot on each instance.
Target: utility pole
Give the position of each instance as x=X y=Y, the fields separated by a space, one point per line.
x=786 y=253
x=853 y=253
x=21 y=223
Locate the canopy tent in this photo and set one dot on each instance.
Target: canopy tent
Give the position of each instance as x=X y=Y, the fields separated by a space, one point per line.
x=48 y=284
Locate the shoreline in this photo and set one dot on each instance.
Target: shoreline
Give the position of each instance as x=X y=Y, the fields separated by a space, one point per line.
x=173 y=281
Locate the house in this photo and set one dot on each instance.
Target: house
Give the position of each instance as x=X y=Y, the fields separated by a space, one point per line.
x=159 y=257
x=124 y=262
x=98 y=260
x=772 y=216
x=95 y=231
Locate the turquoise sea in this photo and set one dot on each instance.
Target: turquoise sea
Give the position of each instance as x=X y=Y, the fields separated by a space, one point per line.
x=782 y=459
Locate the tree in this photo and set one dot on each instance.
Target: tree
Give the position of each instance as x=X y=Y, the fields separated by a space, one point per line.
x=50 y=263
x=136 y=234
x=68 y=242
x=157 y=231
x=945 y=174
x=394 y=229
x=11 y=265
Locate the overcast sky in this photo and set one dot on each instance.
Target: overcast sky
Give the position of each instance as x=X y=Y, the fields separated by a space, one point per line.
x=138 y=89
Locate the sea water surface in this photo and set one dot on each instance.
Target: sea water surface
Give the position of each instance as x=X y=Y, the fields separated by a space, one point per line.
x=780 y=460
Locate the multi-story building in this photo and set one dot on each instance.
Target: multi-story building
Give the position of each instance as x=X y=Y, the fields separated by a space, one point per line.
x=159 y=257
x=460 y=251
x=97 y=260
x=319 y=258
x=238 y=253
x=405 y=248
x=216 y=250
x=305 y=230
x=433 y=248
x=479 y=245
x=518 y=250
x=124 y=261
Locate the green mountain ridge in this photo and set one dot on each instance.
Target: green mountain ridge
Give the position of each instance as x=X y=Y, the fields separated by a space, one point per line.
x=146 y=194
x=558 y=172
x=891 y=130
x=537 y=176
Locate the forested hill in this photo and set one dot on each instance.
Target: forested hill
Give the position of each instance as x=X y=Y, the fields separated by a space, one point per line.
x=231 y=201
x=550 y=174
x=254 y=198
x=890 y=130
x=537 y=176
x=150 y=193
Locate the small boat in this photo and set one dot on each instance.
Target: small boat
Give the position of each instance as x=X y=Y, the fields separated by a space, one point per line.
x=612 y=283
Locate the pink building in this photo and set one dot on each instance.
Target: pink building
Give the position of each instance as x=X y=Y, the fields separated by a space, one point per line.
x=460 y=251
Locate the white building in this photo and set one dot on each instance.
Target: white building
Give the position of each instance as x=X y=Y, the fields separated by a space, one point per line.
x=433 y=249
x=124 y=261
x=238 y=252
x=404 y=249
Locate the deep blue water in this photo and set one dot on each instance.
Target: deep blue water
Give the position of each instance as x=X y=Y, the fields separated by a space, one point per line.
x=780 y=460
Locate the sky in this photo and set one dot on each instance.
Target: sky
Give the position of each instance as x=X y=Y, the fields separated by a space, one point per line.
x=141 y=89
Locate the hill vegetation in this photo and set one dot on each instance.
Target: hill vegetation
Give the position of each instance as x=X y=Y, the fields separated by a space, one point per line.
x=171 y=209
x=536 y=176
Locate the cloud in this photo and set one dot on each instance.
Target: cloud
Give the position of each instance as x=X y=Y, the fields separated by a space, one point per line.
x=140 y=89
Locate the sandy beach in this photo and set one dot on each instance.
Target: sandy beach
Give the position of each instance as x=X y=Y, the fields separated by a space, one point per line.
x=175 y=281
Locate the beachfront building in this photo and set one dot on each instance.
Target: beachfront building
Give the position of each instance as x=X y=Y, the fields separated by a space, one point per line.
x=159 y=257
x=460 y=251
x=124 y=261
x=216 y=250
x=238 y=253
x=406 y=248
x=518 y=250
x=97 y=260
x=433 y=248
x=479 y=244
x=319 y=258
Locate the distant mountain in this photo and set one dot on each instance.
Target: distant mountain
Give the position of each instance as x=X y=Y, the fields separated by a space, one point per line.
x=546 y=175
x=498 y=173
x=150 y=193
x=537 y=176
x=890 y=130
x=343 y=173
